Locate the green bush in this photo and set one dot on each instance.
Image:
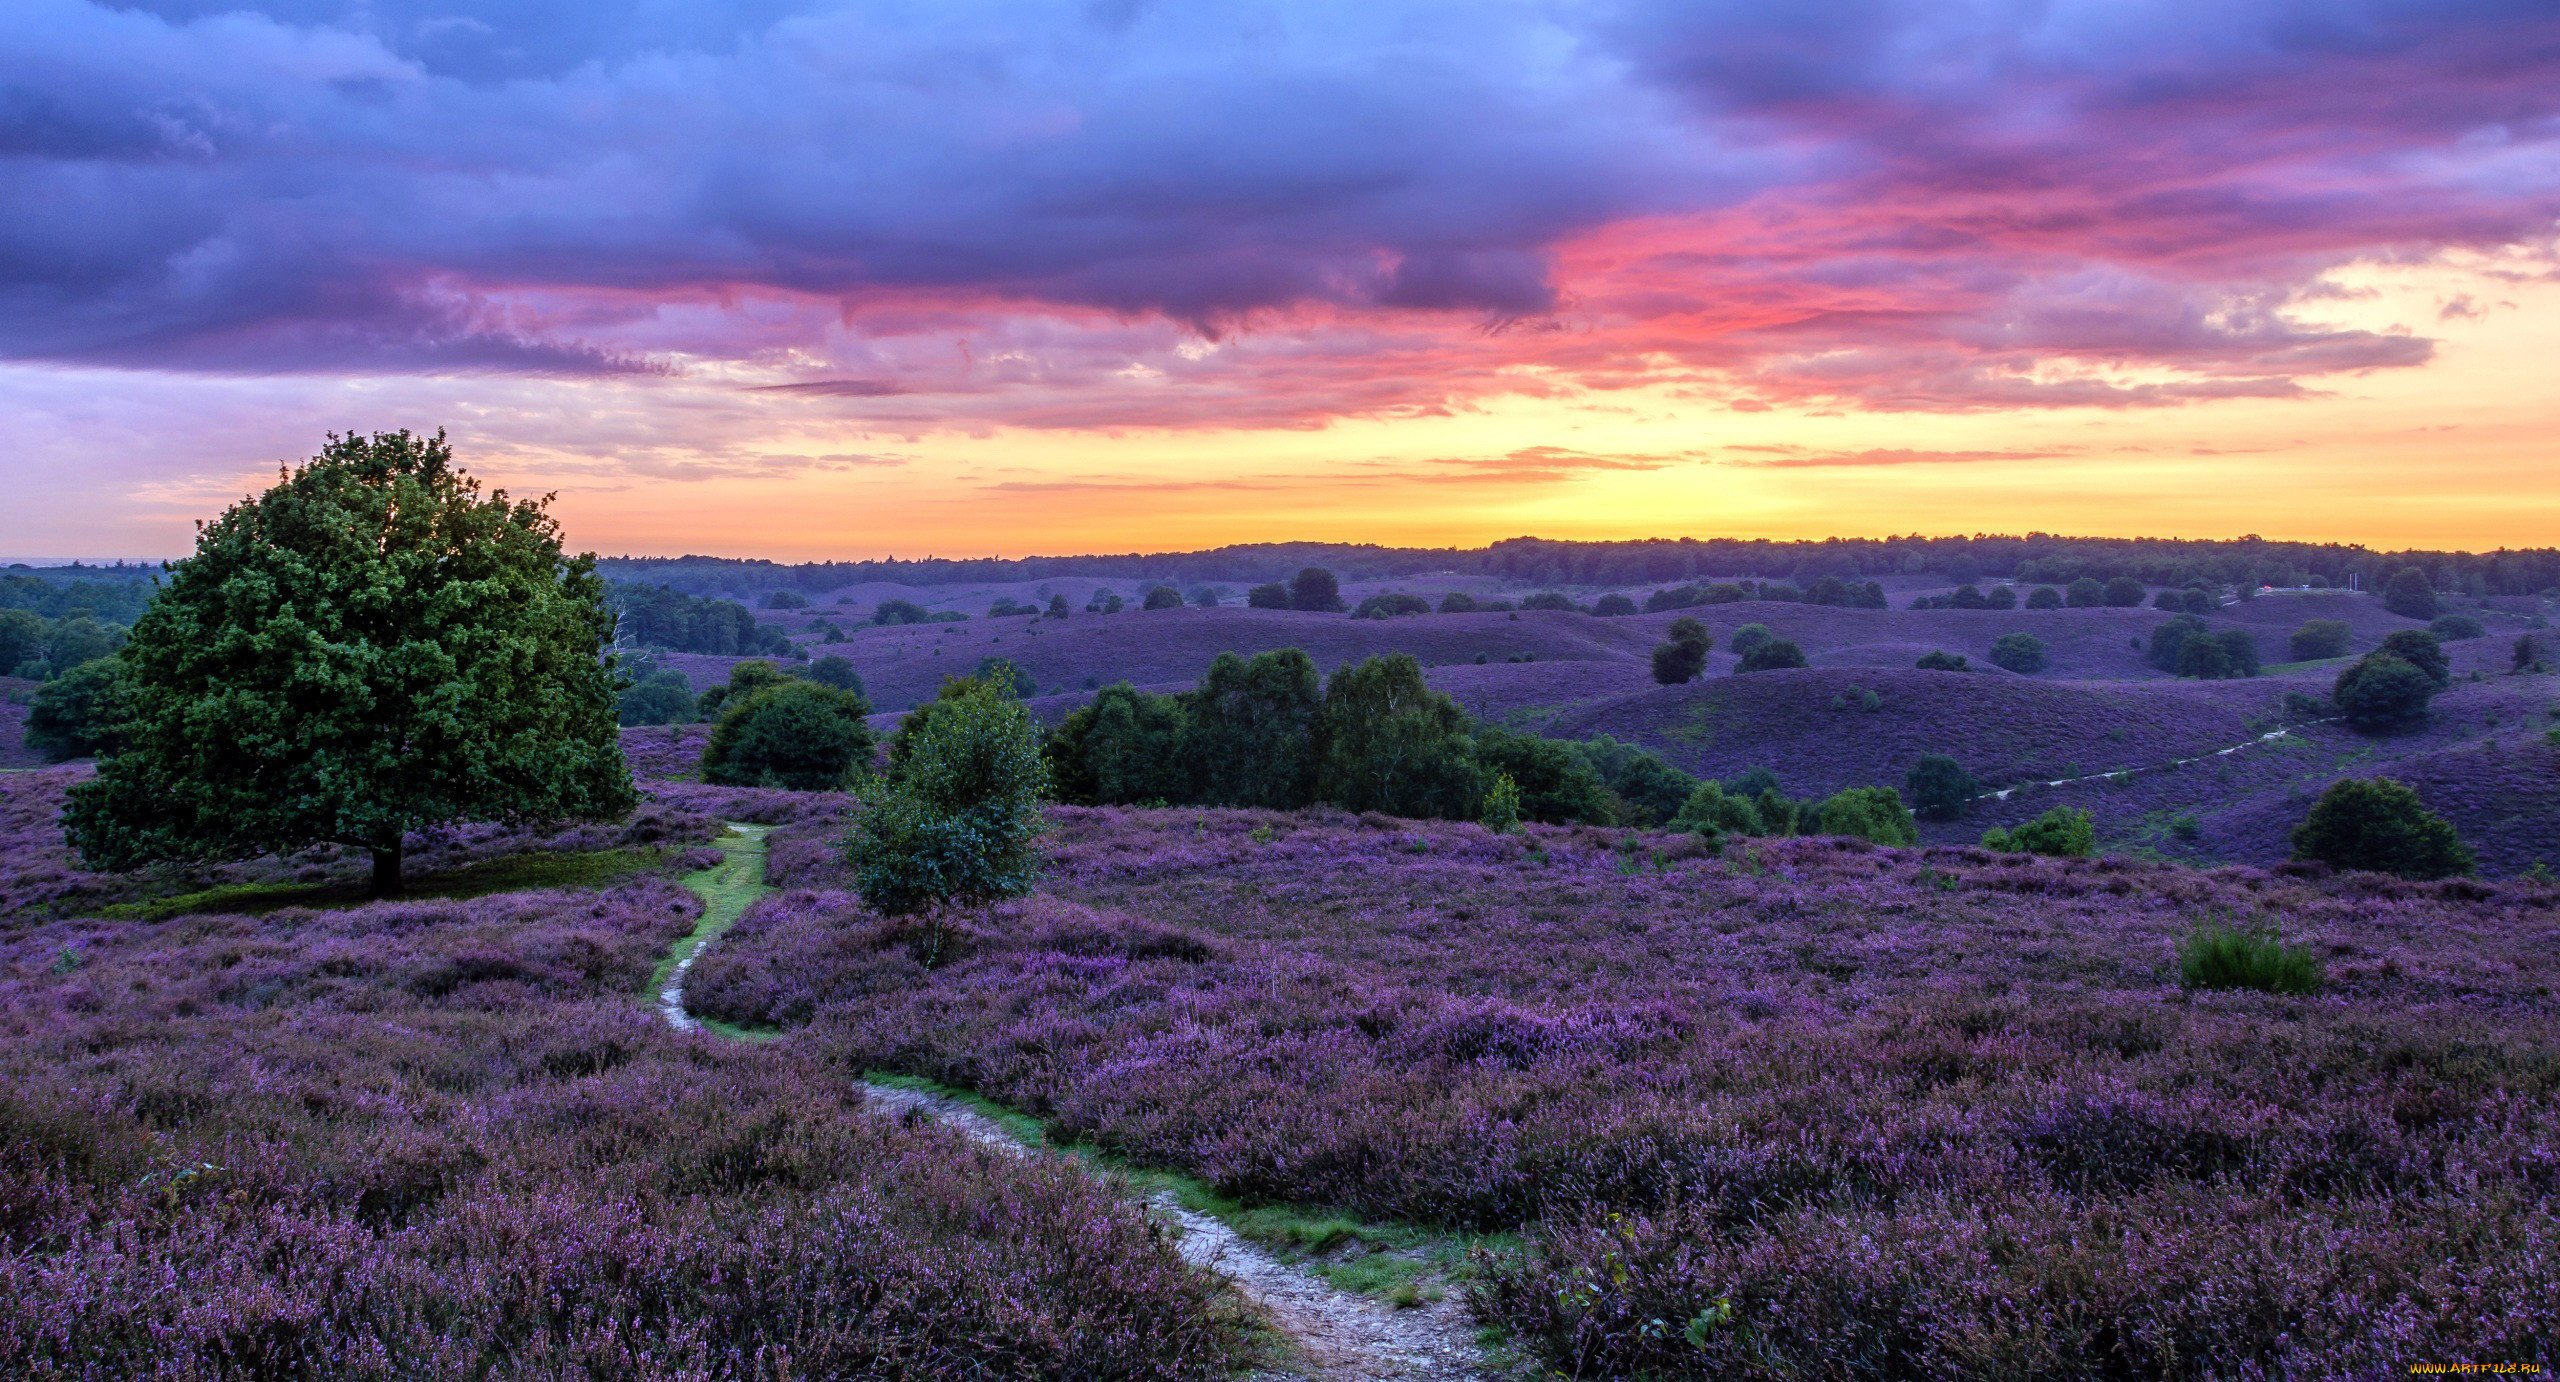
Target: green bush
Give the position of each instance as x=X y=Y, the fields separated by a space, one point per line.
x=2044 y=597
x=1940 y=660
x=1682 y=654
x=2022 y=653
x=2379 y=825
x=1391 y=607
x=1612 y=606
x=1501 y=813
x=2085 y=593
x=1940 y=787
x=1869 y=813
x=835 y=670
x=1770 y=656
x=1004 y=676
x=1650 y=791
x=1712 y=812
x=1388 y=742
x=80 y=713
x=1315 y=588
x=2420 y=649
x=796 y=735
x=2382 y=692
x=2453 y=628
x=660 y=698
x=2217 y=955
x=1554 y=782
x=2408 y=593
x=2122 y=592
x=2320 y=638
x=1161 y=597
x=1124 y=748
x=959 y=820
x=1269 y=595
x=2065 y=832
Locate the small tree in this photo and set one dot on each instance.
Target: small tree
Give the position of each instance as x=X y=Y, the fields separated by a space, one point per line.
x=2419 y=649
x=1713 y=812
x=1208 y=597
x=2044 y=597
x=1649 y=790
x=836 y=671
x=660 y=698
x=796 y=735
x=1161 y=597
x=2453 y=628
x=1388 y=742
x=1253 y=730
x=369 y=648
x=2379 y=825
x=1555 y=783
x=1748 y=637
x=2122 y=592
x=1867 y=813
x=752 y=675
x=1683 y=655
x=1057 y=608
x=2527 y=655
x=1770 y=656
x=1940 y=660
x=1612 y=606
x=1123 y=749
x=1940 y=787
x=2320 y=638
x=1269 y=595
x=1003 y=675
x=1457 y=602
x=2085 y=593
x=2382 y=692
x=21 y=639
x=2410 y=594
x=80 y=713
x=958 y=822
x=2022 y=653
x=1314 y=588
x=1501 y=813
x=2065 y=832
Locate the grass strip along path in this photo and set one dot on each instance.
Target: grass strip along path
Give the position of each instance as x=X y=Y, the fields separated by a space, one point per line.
x=1335 y=1333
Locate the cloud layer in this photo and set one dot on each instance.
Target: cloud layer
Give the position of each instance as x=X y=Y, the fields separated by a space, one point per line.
x=1121 y=214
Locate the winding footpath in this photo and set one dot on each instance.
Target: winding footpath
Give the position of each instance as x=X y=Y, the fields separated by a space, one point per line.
x=2271 y=736
x=1337 y=1336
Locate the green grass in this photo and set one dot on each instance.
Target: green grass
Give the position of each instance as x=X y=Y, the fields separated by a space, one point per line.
x=727 y=890
x=525 y=872
x=2317 y=664
x=2217 y=955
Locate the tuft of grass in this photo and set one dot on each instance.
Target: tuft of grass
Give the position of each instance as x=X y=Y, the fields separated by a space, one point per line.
x=530 y=871
x=2217 y=955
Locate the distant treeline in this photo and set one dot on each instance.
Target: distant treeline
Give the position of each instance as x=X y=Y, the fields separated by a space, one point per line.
x=657 y=617
x=2034 y=557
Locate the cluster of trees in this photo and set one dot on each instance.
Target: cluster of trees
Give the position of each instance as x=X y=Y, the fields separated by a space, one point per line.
x=900 y=613
x=1682 y=656
x=2392 y=686
x=1751 y=805
x=2185 y=647
x=1314 y=588
x=656 y=616
x=1974 y=597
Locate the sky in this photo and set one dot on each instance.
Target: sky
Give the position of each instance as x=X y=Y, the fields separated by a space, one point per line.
x=803 y=279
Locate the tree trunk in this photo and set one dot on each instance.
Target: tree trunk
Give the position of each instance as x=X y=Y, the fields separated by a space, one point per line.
x=386 y=869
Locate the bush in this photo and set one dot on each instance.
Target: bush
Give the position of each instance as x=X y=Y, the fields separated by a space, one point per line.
x=1713 y=812
x=1057 y=608
x=1748 y=637
x=2169 y=640
x=959 y=821
x=1612 y=606
x=755 y=674
x=899 y=613
x=2453 y=628
x=786 y=599
x=2002 y=597
x=1104 y=602
x=2171 y=601
x=2044 y=597
x=80 y=714
x=835 y=670
x=2085 y=593
x=1391 y=607
x=2383 y=692
x=21 y=639
x=1314 y=588
x=1649 y=790
x=660 y=698
x=1555 y=783
x=1549 y=600
x=2408 y=593
x=1388 y=742
x=1940 y=660
x=1457 y=602
x=79 y=641
x=2526 y=655
x=1125 y=748
x=1253 y=730
x=2419 y=649
x=796 y=735
x=1501 y=813
x=1208 y=597
x=1004 y=676
x=1683 y=654
x=2379 y=825
x=1867 y=813
x=2320 y=638
x=1770 y=656
x=1161 y=597
x=2220 y=956
x=1940 y=787
x=2065 y=832
x=1270 y=595
x=2022 y=653
x=2122 y=592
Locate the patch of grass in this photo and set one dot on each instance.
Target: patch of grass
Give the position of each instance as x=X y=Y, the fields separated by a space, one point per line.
x=2317 y=664
x=727 y=890
x=1696 y=728
x=532 y=870
x=2217 y=955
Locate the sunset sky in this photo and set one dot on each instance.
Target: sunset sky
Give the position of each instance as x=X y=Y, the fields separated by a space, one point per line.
x=804 y=279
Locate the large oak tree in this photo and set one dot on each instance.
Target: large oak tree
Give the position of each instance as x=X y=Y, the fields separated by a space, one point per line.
x=371 y=647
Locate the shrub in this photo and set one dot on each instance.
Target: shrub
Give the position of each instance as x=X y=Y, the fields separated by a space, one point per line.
x=1549 y=600
x=898 y=613
x=786 y=599
x=1057 y=608
x=81 y=713
x=2044 y=597
x=21 y=639
x=1314 y=588
x=1161 y=597
x=1388 y=742
x=2453 y=628
x=1253 y=730
x=2383 y=692
x=1104 y=602
x=1772 y=655
x=1270 y=595
x=2379 y=825
x=2022 y=653
x=1713 y=812
x=2320 y=638
x=1748 y=637
x=2171 y=601
x=2408 y=593
x=2169 y=640
x=1650 y=791
x=1868 y=813
x=796 y=735
x=1004 y=676
x=2419 y=649
x=1501 y=813
x=755 y=674
x=2121 y=592
x=1613 y=605
x=2002 y=597
x=1940 y=660
x=2065 y=832
x=1124 y=748
x=2085 y=593
x=1457 y=602
x=660 y=698
x=1940 y=787
x=1553 y=780
x=1858 y=698
x=959 y=823
x=80 y=640
x=1208 y=597
x=2219 y=956
x=1391 y=607
x=2526 y=655
x=1683 y=654
x=835 y=670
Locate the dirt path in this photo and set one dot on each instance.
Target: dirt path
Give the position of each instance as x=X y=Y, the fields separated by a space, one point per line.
x=1339 y=1336
x=2269 y=737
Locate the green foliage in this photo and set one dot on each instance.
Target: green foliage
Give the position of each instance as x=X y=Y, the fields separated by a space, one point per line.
x=1457 y=602
x=81 y=712
x=2526 y=655
x=2419 y=649
x=1124 y=748
x=1940 y=660
x=657 y=617
x=1161 y=597
x=785 y=599
x=1004 y=676
x=835 y=671
x=1391 y=606
x=2320 y=638
x=2022 y=653
x=2217 y=955
x=755 y=674
x=1682 y=655
x=78 y=641
x=1869 y=813
x=21 y=639
x=1271 y=595
x=2382 y=692
x=1253 y=730
x=1553 y=780
x=2085 y=593
x=2410 y=594
x=2169 y=640
x=1649 y=790
x=2044 y=597
x=2065 y=832
x=1714 y=813
x=1501 y=813
x=2379 y=825
x=958 y=821
x=2122 y=592
x=1770 y=656
x=1940 y=787
x=660 y=698
x=1555 y=600
x=796 y=735
x=1748 y=637
x=1612 y=606
x=1057 y=608
x=1859 y=698
x=369 y=648
x=1315 y=588
x=1387 y=742
x=899 y=613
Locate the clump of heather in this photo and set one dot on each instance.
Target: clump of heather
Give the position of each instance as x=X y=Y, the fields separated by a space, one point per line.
x=1799 y=1107
x=433 y=1139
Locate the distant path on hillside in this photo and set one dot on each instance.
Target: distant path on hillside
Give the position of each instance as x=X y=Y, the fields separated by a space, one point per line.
x=1339 y=1336
x=2269 y=737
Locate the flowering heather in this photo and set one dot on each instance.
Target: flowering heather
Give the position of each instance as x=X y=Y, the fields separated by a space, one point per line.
x=447 y=1139
x=1809 y=1108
